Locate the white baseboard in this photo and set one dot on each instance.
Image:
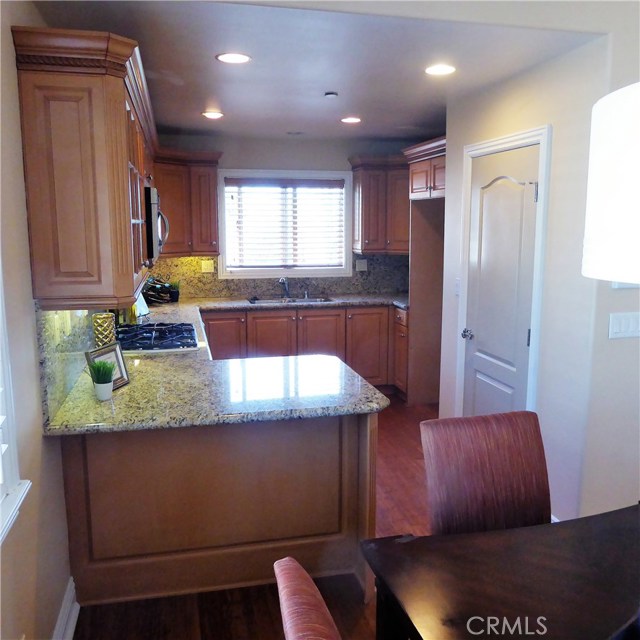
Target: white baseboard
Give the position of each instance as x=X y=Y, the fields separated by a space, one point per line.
x=68 y=616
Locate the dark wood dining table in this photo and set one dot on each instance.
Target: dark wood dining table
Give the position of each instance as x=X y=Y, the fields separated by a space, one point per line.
x=573 y=580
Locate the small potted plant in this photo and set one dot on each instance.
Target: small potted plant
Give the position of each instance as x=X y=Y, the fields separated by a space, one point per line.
x=174 y=291
x=101 y=372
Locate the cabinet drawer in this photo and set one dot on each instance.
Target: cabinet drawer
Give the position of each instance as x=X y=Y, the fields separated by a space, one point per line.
x=400 y=316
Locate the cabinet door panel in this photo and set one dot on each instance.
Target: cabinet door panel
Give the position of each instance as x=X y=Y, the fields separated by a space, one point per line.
x=368 y=342
x=321 y=331
x=438 y=166
x=370 y=210
x=204 y=216
x=226 y=334
x=400 y=356
x=271 y=333
x=174 y=189
x=420 y=179
x=398 y=211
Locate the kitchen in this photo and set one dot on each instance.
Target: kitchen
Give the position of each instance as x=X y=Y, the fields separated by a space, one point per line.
x=577 y=456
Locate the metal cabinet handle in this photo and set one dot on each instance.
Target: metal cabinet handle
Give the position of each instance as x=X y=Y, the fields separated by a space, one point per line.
x=165 y=220
x=241 y=319
x=349 y=317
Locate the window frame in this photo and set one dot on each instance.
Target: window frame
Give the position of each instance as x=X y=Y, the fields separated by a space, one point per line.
x=225 y=273
x=14 y=490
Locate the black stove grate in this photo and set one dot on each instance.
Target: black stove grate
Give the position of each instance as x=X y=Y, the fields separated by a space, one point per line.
x=157 y=336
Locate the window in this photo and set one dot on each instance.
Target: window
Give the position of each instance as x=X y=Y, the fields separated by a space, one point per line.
x=12 y=489
x=285 y=224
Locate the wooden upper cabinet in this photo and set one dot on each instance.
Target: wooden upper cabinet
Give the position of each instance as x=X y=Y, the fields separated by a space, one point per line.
x=82 y=196
x=397 y=211
x=204 y=210
x=174 y=191
x=427 y=164
x=187 y=186
x=380 y=204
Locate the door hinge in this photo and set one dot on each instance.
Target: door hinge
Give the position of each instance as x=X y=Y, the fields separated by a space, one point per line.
x=529 y=338
x=535 y=192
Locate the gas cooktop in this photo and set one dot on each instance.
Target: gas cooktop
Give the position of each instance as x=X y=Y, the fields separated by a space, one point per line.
x=159 y=336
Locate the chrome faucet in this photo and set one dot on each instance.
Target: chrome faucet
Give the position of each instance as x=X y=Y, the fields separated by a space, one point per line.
x=284 y=283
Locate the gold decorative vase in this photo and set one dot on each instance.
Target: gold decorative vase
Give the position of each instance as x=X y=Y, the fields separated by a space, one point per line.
x=104 y=328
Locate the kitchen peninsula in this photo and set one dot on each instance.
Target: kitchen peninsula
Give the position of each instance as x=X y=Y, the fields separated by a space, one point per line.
x=200 y=473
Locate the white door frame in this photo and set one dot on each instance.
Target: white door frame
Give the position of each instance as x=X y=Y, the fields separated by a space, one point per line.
x=540 y=136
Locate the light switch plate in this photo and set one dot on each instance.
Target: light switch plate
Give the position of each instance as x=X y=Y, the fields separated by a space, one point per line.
x=624 y=325
x=361 y=265
x=206 y=266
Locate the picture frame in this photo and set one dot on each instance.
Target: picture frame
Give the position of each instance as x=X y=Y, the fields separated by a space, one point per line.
x=111 y=353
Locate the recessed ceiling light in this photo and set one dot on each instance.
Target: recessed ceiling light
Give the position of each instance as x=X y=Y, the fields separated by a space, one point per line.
x=351 y=120
x=330 y=94
x=213 y=115
x=440 y=69
x=233 y=58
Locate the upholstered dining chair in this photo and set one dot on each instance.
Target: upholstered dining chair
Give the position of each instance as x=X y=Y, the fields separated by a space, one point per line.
x=485 y=472
x=304 y=613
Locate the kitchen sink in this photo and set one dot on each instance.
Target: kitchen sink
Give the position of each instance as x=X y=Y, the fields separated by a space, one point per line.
x=256 y=300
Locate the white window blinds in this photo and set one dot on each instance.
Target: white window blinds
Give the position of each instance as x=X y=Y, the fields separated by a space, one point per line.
x=284 y=223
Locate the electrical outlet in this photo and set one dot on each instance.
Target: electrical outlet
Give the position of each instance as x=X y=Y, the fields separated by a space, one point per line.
x=361 y=265
x=624 y=325
x=206 y=266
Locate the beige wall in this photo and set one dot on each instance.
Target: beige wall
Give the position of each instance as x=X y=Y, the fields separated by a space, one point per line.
x=34 y=556
x=580 y=371
x=290 y=154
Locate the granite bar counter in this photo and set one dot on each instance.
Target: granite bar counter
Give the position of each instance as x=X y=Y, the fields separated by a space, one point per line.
x=199 y=474
x=185 y=390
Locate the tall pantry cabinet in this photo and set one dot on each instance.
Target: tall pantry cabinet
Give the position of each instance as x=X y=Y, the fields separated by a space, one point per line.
x=88 y=136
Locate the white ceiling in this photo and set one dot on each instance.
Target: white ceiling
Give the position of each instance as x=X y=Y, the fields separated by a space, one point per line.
x=375 y=63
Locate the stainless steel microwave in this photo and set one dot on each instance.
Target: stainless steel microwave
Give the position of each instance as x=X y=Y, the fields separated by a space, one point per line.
x=157 y=224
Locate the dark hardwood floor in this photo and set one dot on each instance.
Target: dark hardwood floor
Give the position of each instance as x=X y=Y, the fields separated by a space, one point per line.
x=253 y=613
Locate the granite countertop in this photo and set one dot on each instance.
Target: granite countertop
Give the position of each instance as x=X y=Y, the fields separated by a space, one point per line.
x=338 y=300
x=181 y=391
x=189 y=389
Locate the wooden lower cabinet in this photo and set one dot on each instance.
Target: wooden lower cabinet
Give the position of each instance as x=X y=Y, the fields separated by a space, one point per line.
x=171 y=511
x=226 y=334
x=272 y=333
x=368 y=342
x=358 y=336
x=322 y=331
x=399 y=367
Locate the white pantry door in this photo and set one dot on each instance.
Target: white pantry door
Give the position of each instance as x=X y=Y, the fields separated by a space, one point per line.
x=504 y=188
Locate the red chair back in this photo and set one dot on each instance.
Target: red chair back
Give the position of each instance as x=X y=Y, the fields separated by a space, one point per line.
x=485 y=472
x=304 y=613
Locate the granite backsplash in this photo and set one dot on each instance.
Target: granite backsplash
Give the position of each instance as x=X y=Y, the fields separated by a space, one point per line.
x=385 y=274
x=63 y=337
